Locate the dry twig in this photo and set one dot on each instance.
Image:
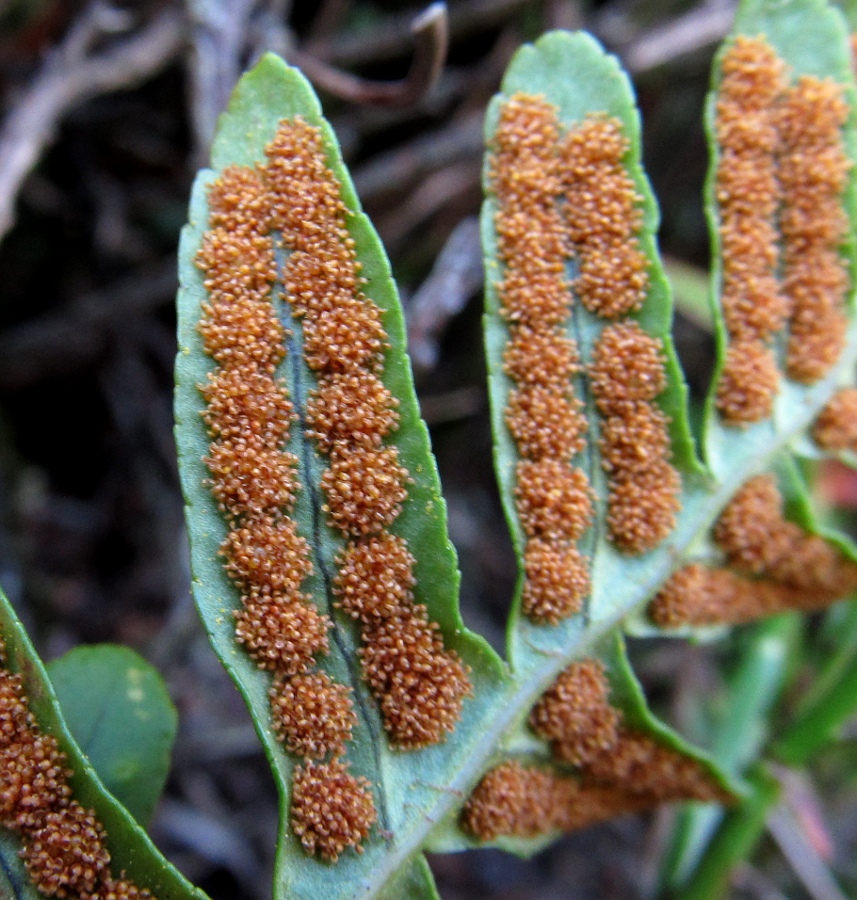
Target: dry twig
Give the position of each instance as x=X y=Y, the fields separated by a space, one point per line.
x=218 y=37
x=431 y=38
x=456 y=276
x=73 y=73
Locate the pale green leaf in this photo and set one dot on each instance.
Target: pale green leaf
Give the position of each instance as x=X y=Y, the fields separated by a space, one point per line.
x=118 y=709
x=411 y=787
x=130 y=847
x=809 y=35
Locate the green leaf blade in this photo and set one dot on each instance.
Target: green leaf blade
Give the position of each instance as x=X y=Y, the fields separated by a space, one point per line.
x=131 y=850
x=409 y=787
x=118 y=709
x=809 y=36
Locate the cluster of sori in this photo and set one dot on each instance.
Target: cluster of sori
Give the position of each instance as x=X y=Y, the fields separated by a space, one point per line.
x=835 y=429
x=567 y=202
x=64 y=846
x=773 y=565
x=248 y=415
x=568 y=222
x=605 y=219
x=618 y=769
x=552 y=495
x=781 y=226
x=292 y=205
x=418 y=683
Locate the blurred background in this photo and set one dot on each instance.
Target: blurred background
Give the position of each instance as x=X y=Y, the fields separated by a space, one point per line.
x=108 y=110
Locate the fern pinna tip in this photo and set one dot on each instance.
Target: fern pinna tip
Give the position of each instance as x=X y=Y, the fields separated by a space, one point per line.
x=305 y=467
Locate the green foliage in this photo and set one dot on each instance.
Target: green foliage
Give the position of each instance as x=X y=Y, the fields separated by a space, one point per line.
x=117 y=708
x=420 y=793
x=130 y=847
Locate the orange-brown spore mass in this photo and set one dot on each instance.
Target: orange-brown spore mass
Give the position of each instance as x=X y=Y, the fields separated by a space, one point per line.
x=698 y=595
x=267 y=554
x=604 y=217
x=546 y=421
x=246 y=403
x=575 y=715
x=543 y=415
x=757 y=539
x=354 y=407
x=748 y=383
x=281 y=635
x=514 y=800
x=556 y=581
x=350 y=414
x=66 y=856
x=619 y=770
x=627 y=372
x=420 y=684
x=346 y=338
x=331 y=809
x=365 y=488
x=789 y=568
x=63 y=843
x=239 y=325
x=751 y=530
x=695 y=595
x=312 y=715
x=34 y=783
x=375 y=577
x=627 y=366
x=635 y=440
x=748 y=196
x=253 y=478
x=641 y=510
x=642 y=767
x=814 y=169
x=835 y=429
x=524 y=172
x=248 y=478
x=542 y=357
x=554 y=499
x=122 y=889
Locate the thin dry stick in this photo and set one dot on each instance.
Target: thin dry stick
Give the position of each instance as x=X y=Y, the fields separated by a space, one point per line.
x=59 y=341
x=385 y=42
x=430 y=32
x=685 y=34
x=456 y=276
x=802 y=856
x=72 y=74
x=218 y=37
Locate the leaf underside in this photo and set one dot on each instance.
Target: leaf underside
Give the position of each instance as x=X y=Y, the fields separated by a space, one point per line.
x=420 y=793
x=131 y=850
x=408 y=786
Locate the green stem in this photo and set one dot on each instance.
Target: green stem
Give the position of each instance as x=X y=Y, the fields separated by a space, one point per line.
x=734 y=841
x=739 y=733
x=831 y=704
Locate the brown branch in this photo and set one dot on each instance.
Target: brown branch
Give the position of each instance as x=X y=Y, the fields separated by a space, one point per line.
x=695 y=30
x=430 y=32
x=385 y=42
x=455 y=278
x=218 y=37
x=72 y=74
